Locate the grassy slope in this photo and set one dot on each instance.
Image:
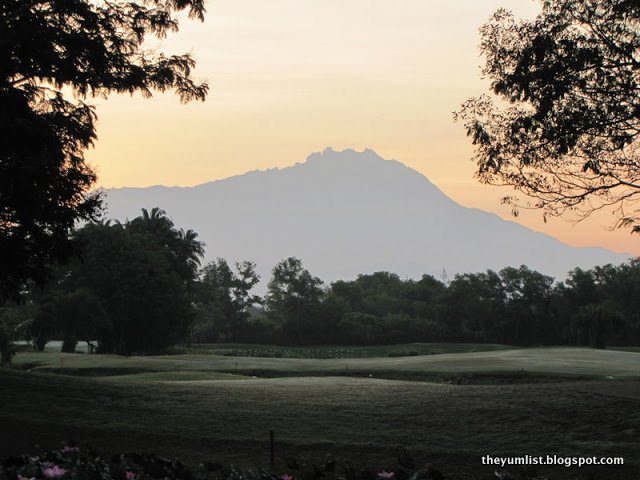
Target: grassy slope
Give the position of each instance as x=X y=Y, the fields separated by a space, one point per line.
x=540 y=361
x=341 y=351
x=364 y=420
x=179 y=405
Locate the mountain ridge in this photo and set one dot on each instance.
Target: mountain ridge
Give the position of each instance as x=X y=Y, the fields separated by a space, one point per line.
x=346 y=213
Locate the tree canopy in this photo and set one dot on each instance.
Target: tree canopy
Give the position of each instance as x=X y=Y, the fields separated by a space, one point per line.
x=131 y=291
x=566 y=131
x=293 y=299
x=223 y=300
x=53 y=55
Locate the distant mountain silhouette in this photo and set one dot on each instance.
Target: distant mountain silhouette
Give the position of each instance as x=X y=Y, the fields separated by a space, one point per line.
x=345 y=213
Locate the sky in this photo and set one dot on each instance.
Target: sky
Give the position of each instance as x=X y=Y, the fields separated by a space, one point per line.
x=291 y=77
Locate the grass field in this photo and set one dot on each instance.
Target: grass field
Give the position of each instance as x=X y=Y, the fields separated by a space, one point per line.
x=552 y=362
x=339 y=351
x=184 y=405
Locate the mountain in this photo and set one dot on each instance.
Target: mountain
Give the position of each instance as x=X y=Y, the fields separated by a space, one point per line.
x=346 y=213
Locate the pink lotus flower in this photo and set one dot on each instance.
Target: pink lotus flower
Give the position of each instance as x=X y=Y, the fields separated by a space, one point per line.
x=68 y=449
x=53 y=472
x=286 y=476
x=129 y=475
x=386 y=475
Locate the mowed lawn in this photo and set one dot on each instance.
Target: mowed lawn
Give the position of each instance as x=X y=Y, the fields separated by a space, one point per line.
x=342 y=351
x=559 y=361
x=361 y=420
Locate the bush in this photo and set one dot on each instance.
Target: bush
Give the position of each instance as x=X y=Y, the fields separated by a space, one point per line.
x=74 y=463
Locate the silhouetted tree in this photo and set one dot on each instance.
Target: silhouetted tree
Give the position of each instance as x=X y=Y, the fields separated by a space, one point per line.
x=51 y=51
x=6 y=345
x=527 y=309
x=44 y=322
x=601 y=305
x=184 y=247
x=12 y=322
x=223 y=300
x=132 y=289
x=570 y=137
x=293 y=299
x=81 y=316
x=473 y=307
x=621 y=285
x=358 y=328
x=381 y=308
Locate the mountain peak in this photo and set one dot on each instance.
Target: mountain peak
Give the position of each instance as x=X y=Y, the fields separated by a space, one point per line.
x=329 y=154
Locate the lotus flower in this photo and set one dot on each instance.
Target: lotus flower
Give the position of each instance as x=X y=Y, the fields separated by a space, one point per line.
x=129 y=475
x=53 y=472
x=286 y=476
x=386 y=475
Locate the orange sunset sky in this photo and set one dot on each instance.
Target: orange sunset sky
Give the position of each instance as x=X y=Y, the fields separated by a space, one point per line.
x=290 y=77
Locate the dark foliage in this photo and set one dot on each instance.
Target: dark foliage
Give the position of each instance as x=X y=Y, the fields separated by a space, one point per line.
x=515 y=306
x=223 y=301
x=131 y=291
x=74 y=463
x=293 y=300
x=570 y=138
x=49 y=49
x=132 y=295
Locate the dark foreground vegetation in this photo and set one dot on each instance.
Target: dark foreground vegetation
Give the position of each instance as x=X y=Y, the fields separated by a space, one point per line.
x=72 y=462
x=138 y=288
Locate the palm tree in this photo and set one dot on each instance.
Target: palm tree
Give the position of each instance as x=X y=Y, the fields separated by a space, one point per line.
x=155 y=222
x=189 y=249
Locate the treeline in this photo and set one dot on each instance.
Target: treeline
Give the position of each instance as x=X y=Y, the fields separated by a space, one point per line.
x=139 y=287
x=516 y=306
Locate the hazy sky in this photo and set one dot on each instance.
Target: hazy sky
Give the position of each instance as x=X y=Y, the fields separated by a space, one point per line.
x=290 y=77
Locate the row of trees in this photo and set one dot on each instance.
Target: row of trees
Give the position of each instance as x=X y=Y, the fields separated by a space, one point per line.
x=518 y=306
x=138 y=288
